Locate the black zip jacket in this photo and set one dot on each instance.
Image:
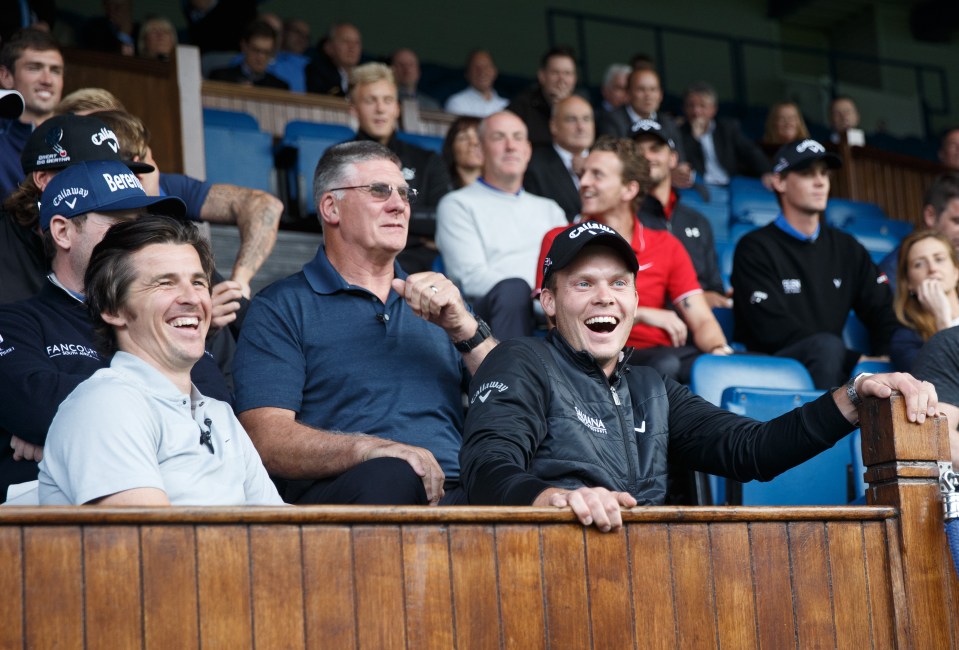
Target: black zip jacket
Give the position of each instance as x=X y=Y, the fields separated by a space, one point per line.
x=543 y=415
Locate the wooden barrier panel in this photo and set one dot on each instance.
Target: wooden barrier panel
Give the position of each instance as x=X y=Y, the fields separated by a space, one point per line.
x=895 y=182
x=875 y=576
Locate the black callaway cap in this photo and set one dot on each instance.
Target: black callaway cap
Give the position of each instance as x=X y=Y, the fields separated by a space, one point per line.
x=66 y=139
x=571 y=241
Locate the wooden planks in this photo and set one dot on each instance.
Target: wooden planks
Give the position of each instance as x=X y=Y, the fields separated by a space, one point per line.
x=674 y=577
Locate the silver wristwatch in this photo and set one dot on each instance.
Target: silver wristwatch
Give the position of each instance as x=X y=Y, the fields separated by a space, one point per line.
x=851 y=392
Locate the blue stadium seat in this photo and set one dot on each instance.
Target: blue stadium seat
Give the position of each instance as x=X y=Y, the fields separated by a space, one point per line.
x=839 y=211
x=746 y=184
x=711 y=375
x=429 y=142
x=236 y=120
x=893 y=228
x=724 y=254
x=239 y=157
x=718 y=216
x=855 y=335
x=875 y=367
x=310 y=140
x=875 y=236
x=822 y=480
x=754 y=207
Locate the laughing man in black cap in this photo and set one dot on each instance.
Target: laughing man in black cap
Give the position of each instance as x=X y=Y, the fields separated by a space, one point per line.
x=796 y=279
x=564 y=421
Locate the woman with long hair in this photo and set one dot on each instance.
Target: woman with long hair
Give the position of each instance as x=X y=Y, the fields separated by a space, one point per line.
x=462 y=153
x=784 y=124
x=926 y=300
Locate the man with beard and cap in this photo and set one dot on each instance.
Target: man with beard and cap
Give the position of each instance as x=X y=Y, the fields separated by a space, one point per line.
x=566 y=422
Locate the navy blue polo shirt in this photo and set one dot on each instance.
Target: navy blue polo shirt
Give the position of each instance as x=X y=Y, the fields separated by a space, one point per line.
x=343 y=361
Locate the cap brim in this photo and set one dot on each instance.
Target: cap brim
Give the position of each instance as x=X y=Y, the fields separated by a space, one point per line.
x=139 y=167
x=11 y=104
x=164 y=205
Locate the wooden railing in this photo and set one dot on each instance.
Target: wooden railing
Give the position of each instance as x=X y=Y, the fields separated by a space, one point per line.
x=897 y=183
x=877 y=576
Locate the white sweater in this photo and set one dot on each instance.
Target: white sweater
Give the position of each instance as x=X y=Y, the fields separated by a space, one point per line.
x=486 y=235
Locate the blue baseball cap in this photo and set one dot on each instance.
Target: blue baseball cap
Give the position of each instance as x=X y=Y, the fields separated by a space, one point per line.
x=100 y=186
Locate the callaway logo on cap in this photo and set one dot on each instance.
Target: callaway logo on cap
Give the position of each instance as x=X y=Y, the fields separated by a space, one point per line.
x=802 y=153
x=571 y=241
x=653 y=128
x=67 y=139
x=100 y=186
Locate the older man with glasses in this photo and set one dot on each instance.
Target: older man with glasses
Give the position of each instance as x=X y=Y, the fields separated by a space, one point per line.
x=349 y=373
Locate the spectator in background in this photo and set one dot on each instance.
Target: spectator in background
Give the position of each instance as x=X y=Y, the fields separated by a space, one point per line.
x=489 y=232
x=157 y=39
x=38 y=14
x=615 y=90
x=406 y=70
x=940 y=213
x=373 y=100
x=462 y=152
x=30 y=63
x=843 y=115
x=938 y=364
x=797 y=278
x=784 y=124
x=717 y=149
x=926 y=297
x=291 y=60
x=114 y=31
x=479 y=99
x=257 y=47
x=556 y=80
x=217 y=25
x=949 y=149
x=662 y=209
x=554 y=169
x=644 y=98
x=329 y=71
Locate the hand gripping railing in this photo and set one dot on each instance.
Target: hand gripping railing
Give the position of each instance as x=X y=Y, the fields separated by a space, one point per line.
x=949 y=487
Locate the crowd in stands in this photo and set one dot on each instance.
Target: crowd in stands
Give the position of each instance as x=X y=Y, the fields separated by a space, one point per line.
x=548 y=234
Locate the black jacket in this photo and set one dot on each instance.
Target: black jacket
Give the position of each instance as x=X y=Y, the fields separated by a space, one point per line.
x=235 y=74
x=694 y=231
x=546 y=175
x=322 y=76
x=787 y=289
x=543 y=415
x=737 y=154
x=23 y=265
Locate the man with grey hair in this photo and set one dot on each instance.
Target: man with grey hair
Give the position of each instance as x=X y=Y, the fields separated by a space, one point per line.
x=340 y=51
x=349 y=373
x=614 y=86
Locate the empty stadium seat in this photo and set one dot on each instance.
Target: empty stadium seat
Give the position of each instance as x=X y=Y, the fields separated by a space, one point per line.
x=753 y=207
x=821 y=480
x=237 y=120
x=240 y=157
x=310 y=140
x=746 y=184
x=855 y=335
x=711 y=375
x=839 y=211
x=718 y=216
